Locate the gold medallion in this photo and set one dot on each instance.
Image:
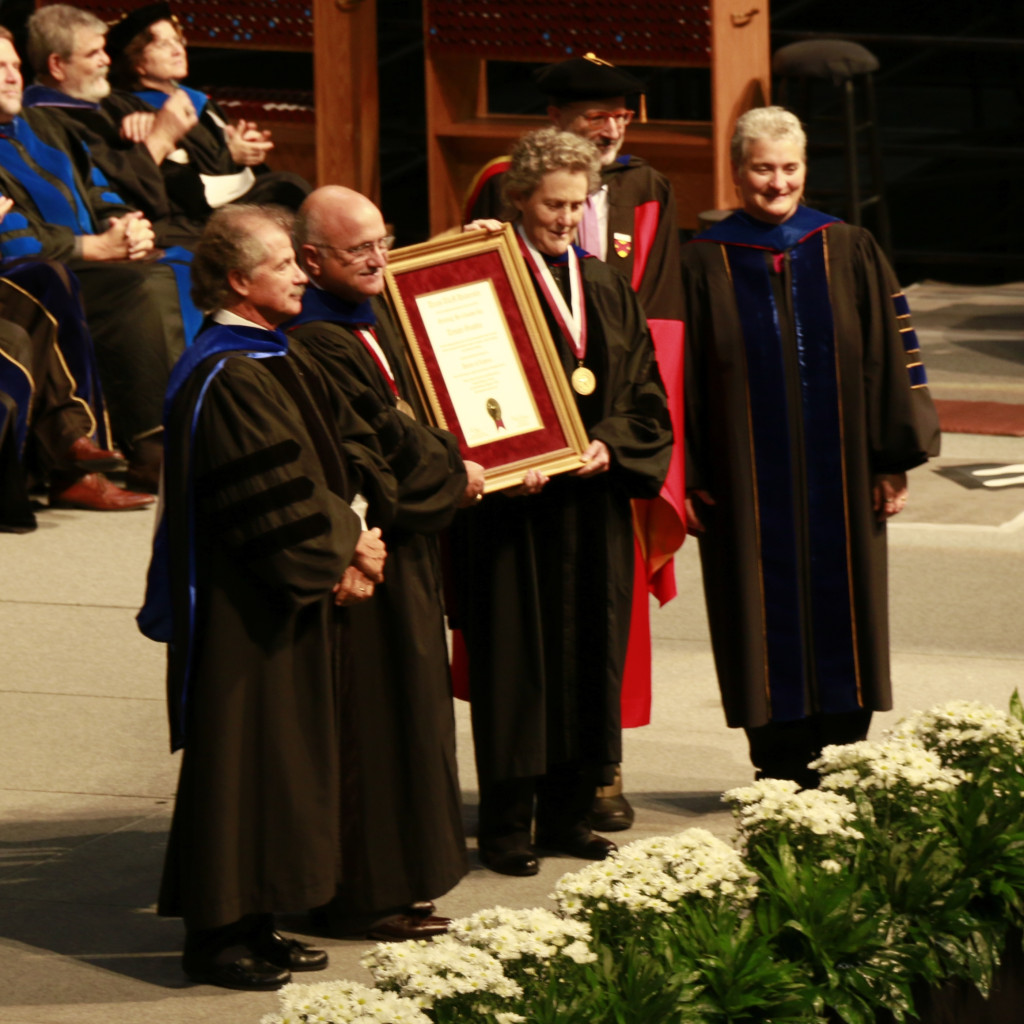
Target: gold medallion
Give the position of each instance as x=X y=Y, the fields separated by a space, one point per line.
x=403 y=406
x=583 y=381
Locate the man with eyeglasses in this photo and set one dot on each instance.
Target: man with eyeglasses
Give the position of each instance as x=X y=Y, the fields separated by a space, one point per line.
x=403 y=843
x=630 y=223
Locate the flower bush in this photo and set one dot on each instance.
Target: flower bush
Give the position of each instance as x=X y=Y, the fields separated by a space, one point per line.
x=348 y=1001
x=630 y=892
x=850 y=903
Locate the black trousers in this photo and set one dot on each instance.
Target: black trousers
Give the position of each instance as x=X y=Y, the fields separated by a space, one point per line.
x=563 y=797
x=133 y=311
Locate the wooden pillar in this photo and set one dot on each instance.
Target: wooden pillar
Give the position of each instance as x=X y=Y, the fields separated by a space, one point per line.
x=740 y=79
x=347 y=105
x=456 y=97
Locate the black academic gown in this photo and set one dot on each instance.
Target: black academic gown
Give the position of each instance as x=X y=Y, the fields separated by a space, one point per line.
x=402 y=817
x=544 y=581
x=251 y=683
x=59 y=197
x=803 y=380
x=16 y=515
x=208 y=153
x=55 y=415
x=176 y=209
x=642 y=246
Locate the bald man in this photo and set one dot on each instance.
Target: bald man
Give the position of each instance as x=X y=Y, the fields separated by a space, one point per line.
x=404 y=843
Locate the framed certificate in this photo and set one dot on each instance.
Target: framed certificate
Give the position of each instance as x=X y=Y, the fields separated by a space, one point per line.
x=482 y=354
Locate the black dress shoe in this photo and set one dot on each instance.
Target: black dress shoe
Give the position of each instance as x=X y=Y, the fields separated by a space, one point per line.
x=289 y=954
x=510 y=862
x=422 y=908
x=585 y=845
x=248 y=973
x=401 y=927
x=611 y=814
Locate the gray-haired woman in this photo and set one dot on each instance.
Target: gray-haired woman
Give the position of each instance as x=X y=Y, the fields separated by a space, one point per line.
x=544 y=575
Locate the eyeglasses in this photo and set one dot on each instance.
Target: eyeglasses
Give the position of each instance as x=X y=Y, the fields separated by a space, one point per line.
x=168 y=45
x=597 y=118
x=360 y=253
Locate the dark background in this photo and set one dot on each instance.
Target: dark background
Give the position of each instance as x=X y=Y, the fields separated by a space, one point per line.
x=951 y=117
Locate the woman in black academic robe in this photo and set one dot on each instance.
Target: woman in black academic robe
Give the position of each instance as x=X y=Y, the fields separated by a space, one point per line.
x=544 y=573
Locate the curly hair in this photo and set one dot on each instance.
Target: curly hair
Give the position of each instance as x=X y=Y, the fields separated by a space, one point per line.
x=765 y=123
x=124 y=73
x=228 y=243
x=540 y=152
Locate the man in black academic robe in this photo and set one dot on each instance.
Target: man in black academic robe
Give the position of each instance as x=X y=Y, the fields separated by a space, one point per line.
x=138 y=309
x=60 y=414
x=806 y=405
x=70 y=83
x=403 y=839
x=258 y=542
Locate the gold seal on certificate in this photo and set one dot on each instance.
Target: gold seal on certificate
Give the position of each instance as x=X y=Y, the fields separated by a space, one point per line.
x=583 y=381
x=403 y=406
x=494 y=411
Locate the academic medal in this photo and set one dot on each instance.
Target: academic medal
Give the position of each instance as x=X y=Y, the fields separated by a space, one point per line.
x=583 y=380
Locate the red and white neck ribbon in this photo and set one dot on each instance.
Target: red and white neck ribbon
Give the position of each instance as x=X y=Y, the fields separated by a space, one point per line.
x=369 y=340
x=574 y=326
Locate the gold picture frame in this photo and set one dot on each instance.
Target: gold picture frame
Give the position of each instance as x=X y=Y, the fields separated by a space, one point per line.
x=482 y=355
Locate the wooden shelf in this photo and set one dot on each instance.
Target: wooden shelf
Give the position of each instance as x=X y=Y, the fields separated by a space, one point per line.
x=462 y=134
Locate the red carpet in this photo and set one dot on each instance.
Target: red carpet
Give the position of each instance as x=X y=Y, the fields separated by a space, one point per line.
x=981 y=417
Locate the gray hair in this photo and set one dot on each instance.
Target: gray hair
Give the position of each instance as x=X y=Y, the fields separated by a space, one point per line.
x=52 y=29
x=545 y=150
x=228 y=243
x=775 y=123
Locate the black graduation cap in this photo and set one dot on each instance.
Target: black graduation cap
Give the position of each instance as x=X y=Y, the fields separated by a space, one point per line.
x=585 y=78
x=121 y=33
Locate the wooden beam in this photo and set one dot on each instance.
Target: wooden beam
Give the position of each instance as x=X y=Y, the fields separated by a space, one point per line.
x=346 y=97
x=740 y=79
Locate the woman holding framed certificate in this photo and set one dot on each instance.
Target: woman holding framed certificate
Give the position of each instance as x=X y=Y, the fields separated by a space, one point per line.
x=544 y=572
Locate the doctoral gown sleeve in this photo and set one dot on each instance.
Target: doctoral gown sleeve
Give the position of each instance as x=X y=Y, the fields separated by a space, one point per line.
x=261 y=487
x=636 y=427
x=695 y=290
x=658 y=289
x=424 y=460
x=368 y=470
x=902 y=424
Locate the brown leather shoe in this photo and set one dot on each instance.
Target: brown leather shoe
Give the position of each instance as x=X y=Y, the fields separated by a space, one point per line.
x=95 y=492
x=87 y=456
x=611 y=814
x=400 y=927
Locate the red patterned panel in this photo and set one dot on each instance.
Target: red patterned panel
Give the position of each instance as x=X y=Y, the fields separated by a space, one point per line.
x=466 y=270
x=292 y=105
x=645 y=32
x=269 y=24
